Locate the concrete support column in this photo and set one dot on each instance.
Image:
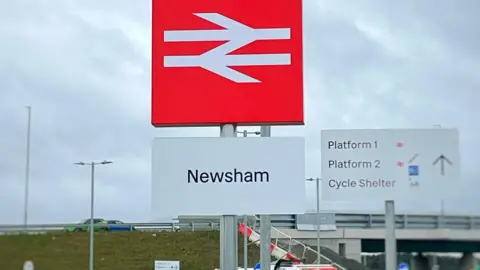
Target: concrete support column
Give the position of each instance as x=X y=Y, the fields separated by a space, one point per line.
x=467 y=262
x=420 y=262
x=434 y=262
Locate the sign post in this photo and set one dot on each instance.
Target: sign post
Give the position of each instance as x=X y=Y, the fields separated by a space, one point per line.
x=265 y=223
x=317 y=214
x=390 y=239
x=245 y=217
x=245 y=234
x=228 y=223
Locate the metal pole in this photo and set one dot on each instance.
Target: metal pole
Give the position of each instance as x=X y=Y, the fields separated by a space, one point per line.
x=92 y=214
x=245 y=236
x=442 y=214
x=435 y=265
x=390 y=239
x=266 y=131
x=318 y=220
x=442 y=207
x=265 y=224
x=92 y=206
x=245 y=243
x=27 y=168
x=228 y=224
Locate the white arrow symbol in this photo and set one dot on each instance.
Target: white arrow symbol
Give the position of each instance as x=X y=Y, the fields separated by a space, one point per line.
x=217 y=59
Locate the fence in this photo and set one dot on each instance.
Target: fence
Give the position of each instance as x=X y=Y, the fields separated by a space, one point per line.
x=353 y=221
x=455 y=222
x=144 y=227
x=307 y=221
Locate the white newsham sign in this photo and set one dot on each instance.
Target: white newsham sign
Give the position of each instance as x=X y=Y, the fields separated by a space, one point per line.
x=228 y=176
x=390 y=164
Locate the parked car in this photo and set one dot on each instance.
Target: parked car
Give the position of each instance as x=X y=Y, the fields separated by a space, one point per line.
x=119 y=226
x=100 y=224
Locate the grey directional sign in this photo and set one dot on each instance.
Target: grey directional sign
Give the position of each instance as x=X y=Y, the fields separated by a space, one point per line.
x=389 y=164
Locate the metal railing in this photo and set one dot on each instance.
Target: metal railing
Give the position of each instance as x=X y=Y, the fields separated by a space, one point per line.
x=143 y=227
x=375 y=221
x=291 y=242
x=409 y=221
x=294 y=242
x=370 y=220
x=353 y=221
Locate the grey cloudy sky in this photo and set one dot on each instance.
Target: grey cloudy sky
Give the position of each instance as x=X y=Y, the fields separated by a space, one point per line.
x=84 y=66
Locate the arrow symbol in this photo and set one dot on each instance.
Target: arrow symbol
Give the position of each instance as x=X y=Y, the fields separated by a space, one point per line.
x=442 y=159
x=218 y=60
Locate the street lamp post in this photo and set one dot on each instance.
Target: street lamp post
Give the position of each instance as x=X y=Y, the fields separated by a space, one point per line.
x=317 y=181
x=245 y=218
x=27 y=168
x=92 y=204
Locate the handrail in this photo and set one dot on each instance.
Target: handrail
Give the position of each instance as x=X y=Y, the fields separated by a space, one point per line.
x=305 y=247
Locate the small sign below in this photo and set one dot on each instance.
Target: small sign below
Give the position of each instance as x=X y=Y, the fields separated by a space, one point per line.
x=167 y=265
x=28 y=265
x=403 y=266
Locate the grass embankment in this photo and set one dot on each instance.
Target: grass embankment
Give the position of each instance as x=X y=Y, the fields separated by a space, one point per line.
x=119 y=251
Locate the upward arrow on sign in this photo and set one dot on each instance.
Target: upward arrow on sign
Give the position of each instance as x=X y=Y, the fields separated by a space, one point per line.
x=442 y=159
x=217 y=59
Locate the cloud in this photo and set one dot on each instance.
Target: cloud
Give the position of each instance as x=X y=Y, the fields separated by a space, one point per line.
x=84 y=66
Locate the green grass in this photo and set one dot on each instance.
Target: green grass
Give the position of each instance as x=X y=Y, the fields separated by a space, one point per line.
x=118 y=251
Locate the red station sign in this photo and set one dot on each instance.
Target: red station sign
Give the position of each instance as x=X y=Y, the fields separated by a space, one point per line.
x=227 y=62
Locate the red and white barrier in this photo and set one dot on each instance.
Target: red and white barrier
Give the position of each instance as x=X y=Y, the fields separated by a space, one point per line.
x=254 y=237
x=312 y=267
x=278 y=252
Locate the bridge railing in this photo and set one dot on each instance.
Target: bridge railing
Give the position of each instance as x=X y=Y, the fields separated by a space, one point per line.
x=144 y=227
x=409 y=221
x=365 y=221
x=368 y=220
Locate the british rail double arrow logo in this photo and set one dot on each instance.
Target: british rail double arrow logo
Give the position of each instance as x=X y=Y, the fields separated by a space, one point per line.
x=218 y=60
